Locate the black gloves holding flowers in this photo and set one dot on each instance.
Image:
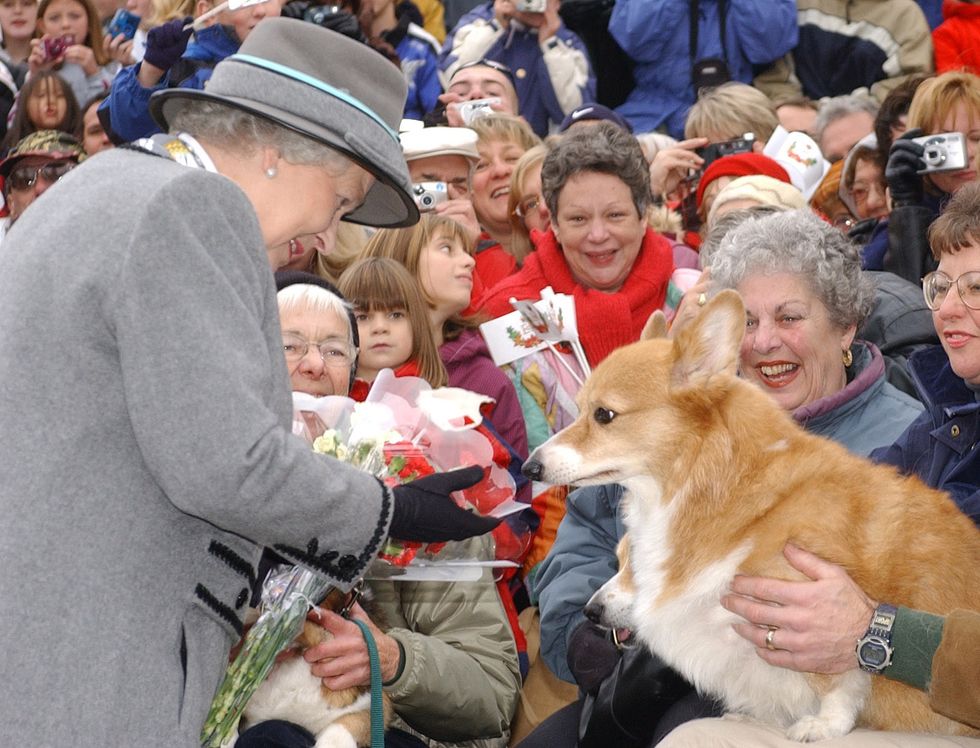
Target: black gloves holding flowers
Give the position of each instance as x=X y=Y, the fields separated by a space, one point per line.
x=425 y=512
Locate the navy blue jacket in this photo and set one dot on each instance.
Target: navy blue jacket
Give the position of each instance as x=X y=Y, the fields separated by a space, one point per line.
x=940 y=445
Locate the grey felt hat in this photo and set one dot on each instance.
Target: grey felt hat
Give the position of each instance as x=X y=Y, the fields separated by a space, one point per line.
x=330 y=88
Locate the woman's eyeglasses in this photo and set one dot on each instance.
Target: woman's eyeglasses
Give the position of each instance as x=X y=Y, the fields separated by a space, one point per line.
x=936 y=285
x=24 y=178
x=332 y=352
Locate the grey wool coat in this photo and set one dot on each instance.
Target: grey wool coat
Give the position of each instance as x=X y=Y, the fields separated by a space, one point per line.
x=146 y=454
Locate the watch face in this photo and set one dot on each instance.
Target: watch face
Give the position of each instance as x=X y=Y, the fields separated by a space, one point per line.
x=873 y=654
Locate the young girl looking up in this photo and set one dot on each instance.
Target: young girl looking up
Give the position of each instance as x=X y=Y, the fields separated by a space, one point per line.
x=436 y=252
x=46 y=102
x=393 y=324
x=71 y=43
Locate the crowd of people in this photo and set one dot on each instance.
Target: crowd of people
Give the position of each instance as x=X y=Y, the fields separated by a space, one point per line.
x=208 y=206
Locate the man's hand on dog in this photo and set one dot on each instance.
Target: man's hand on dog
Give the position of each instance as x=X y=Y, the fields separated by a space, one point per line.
x=817 y=622
x=343 y=661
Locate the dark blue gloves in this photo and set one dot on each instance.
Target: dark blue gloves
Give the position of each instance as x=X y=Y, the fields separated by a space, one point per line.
x=591 y=655
x=424 y=511
x=901 y=171
x=167 y=42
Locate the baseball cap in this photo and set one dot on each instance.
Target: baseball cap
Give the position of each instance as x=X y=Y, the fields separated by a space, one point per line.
x=594 y=112
x=440 y=141
x=51 y=143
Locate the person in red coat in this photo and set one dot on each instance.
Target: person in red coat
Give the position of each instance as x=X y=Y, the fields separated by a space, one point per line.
x=599 y=249
x=957 y=39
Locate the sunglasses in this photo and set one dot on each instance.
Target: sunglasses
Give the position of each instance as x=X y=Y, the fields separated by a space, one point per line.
x=483 y=62
x=24 y=178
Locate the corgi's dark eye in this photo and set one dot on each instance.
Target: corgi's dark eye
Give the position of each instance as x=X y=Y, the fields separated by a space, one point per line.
x=603 y=415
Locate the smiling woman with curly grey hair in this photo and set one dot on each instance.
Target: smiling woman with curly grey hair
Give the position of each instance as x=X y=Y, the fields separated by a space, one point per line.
x=805 y=297
x=596 y=183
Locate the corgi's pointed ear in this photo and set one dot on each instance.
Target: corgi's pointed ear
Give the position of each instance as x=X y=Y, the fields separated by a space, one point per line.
x=710 y=343
x=656 y=327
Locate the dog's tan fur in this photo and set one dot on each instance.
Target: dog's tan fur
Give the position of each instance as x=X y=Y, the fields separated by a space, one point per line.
x=733 y=478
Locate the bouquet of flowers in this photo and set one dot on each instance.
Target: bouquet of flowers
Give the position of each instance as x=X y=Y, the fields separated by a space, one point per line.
x=287 y=595
x=403 y=431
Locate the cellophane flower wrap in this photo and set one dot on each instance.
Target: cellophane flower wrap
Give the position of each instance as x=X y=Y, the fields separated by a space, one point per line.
x=403 y=431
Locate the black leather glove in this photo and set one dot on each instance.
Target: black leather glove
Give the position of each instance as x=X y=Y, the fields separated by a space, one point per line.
x=591 y=655
x=167 y=42
x=424 y=511
x=904 y=161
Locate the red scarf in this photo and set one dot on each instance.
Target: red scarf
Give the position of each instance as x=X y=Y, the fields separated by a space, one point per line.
x=606 y=321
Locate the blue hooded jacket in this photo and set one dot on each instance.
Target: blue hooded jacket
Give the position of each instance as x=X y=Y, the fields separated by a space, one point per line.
x=127 y=109
x=655 y=34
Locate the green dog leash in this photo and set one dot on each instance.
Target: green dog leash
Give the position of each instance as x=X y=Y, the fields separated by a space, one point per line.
x=377 y=713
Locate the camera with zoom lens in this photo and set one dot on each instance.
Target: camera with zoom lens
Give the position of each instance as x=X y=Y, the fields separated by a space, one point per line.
x=945 y=151
x=428 y=195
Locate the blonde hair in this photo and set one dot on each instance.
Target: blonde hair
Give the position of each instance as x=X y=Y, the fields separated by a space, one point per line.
x=162 y=11
x=520 y=241
x=382 y=284
x=936 y=98
x=731 y=110
x=504 y=127
x=406 y=245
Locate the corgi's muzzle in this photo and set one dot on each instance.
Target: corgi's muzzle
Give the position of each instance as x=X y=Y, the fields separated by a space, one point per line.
x=533 y=469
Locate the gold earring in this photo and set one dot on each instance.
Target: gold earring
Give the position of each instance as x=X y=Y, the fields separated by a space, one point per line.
x=848 y=358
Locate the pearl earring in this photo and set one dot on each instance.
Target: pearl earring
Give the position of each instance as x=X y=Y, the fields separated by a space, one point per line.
x=271 y=172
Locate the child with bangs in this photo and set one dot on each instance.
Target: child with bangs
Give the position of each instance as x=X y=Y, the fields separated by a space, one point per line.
x=392 y=322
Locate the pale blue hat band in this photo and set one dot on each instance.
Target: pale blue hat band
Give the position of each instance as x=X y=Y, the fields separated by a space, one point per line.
x=309 y=80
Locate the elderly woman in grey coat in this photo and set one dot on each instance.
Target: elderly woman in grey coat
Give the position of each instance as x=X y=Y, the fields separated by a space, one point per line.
x=146 y=415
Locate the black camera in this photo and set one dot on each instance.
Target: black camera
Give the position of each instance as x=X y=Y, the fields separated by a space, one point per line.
x=714 y=151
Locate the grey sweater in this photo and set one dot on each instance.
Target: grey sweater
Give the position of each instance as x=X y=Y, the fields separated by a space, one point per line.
x=146 y=454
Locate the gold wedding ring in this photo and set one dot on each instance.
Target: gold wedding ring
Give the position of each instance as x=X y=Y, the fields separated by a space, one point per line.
x=769 y=635
x=702 y=299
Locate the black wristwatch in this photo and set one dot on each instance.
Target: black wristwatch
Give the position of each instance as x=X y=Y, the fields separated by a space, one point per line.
x=874 y=649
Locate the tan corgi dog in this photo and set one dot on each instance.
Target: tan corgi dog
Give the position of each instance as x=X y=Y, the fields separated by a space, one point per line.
x=718 y=479
x=337 y=719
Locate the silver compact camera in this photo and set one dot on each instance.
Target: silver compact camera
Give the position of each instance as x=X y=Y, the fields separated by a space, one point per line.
x=945 y=151
x=429 y=194
x=531 y=6
x=470 y=110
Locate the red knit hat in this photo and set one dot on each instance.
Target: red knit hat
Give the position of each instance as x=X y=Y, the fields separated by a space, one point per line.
x=741 y=165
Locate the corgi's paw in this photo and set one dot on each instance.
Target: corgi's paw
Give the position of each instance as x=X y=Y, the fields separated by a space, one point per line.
x=336 y=736
x=813 y=728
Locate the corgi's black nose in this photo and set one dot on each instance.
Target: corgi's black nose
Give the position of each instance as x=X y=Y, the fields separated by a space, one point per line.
x=532 y=469
x=593 y=611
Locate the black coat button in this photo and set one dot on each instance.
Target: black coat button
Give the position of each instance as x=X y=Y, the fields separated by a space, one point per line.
x=347 y=562
x=242 y=598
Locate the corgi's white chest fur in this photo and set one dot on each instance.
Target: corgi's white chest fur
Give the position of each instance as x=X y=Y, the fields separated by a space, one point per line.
x=692 y=631
x=291 y=692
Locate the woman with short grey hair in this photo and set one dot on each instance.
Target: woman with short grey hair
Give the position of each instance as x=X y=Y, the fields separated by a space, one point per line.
x=805 y=297
x=599 y=249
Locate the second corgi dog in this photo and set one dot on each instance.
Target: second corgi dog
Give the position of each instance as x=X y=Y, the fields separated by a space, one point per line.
x=718 y=479
x=337 y=719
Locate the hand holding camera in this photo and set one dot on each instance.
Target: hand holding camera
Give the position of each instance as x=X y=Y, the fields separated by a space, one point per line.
x=428 y=195
x=903 y=168
x=670 y=166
